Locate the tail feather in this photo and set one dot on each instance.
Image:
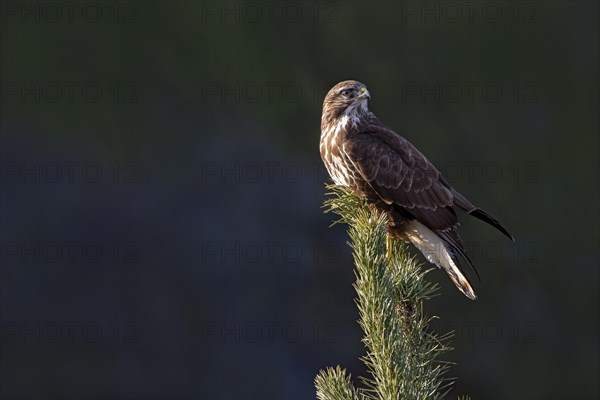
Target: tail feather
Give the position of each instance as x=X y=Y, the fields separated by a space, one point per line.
x=454 y=246
x=466 y=206
x=442 y=254
x=460 y=280
x=482 y=215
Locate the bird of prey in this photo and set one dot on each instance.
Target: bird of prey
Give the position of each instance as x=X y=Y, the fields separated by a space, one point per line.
x=363 y=154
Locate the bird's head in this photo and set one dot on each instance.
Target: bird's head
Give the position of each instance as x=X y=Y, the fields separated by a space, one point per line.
x=347 y=98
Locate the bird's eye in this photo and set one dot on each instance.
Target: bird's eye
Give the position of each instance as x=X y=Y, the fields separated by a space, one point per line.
x=346 y=92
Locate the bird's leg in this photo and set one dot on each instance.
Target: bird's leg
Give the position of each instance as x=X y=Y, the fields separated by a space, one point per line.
x=374 y=215
x=389 y=247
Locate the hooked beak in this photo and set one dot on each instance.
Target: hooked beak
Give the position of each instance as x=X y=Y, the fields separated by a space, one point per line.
x=364 y=93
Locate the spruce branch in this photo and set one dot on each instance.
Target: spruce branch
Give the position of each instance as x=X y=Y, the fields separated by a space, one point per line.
x=403 y=354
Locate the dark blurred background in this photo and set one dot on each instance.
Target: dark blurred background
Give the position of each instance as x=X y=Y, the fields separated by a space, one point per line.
x=162 y=235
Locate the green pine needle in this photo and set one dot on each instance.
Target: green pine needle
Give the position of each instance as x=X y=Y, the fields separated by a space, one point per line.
x=334 y=384
x=403 y=354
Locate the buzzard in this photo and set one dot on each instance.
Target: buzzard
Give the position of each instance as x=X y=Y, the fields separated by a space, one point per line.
x=362 y=153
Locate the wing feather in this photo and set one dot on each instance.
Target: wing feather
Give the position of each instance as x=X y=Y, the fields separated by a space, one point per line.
x=402 y=175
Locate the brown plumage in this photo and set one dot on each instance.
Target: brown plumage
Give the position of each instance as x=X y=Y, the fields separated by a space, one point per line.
x=362 y=153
